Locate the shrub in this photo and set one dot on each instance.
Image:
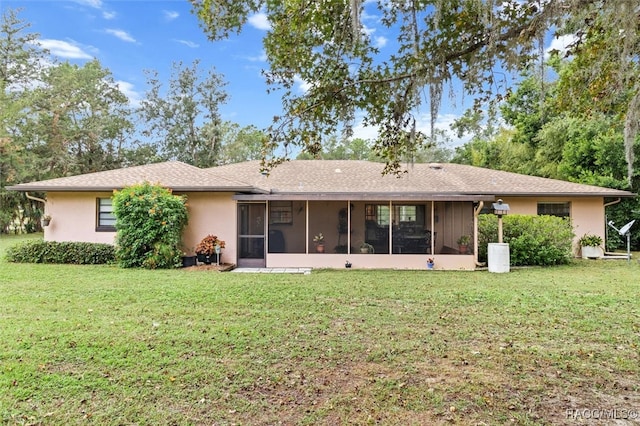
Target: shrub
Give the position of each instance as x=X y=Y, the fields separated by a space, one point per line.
x=38 y=251
x=533 y=240
x=149 y=224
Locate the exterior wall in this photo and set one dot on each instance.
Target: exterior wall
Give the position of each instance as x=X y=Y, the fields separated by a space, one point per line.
x=212 y=213
x=73 y=217
x=371 y=261
x=587 y=213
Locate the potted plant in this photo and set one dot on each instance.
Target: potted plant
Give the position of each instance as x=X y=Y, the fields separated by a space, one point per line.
x=430 y=263
x=590 y=246
x=366 y=248
x=208 y=248
x=188 y=259
x=45 y=220
x=318 y=240
x=463 y=243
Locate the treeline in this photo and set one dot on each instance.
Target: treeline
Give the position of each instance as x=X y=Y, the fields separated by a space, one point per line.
x=60 y=119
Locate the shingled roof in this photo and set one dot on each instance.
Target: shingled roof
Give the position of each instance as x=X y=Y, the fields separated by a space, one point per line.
x=329 y=179
x=173 y=174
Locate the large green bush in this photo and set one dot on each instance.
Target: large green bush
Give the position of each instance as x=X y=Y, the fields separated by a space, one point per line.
x=149 y=224
x=38 y=251
x=533 y=240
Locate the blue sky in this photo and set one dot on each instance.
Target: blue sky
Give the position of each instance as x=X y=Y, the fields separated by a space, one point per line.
x=130 y=36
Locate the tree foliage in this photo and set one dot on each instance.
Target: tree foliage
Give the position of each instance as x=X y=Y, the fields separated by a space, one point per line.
x=439 y=41
x=184 y=121
x=78 y=120
x=20 y=64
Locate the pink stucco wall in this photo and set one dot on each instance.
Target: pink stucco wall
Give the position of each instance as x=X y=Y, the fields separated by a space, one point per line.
x=212 y=213
x=74 y=219
x=587 y=214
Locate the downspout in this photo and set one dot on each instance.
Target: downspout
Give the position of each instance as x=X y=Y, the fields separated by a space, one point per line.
x=31 y=197
x=476 y=212
x=612 y=202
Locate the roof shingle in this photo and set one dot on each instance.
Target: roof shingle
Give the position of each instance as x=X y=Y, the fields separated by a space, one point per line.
x=330 y=177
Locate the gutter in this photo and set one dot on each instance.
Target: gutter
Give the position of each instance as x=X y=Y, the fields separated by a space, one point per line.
x=476 y=212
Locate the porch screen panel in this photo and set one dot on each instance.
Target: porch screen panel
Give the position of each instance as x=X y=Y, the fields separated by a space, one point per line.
x=377 y=218
x=287 y=226
x=326 y=218
x=452 y=220
x=411 y=233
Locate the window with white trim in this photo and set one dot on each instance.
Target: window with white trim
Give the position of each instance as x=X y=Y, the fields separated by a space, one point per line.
x=105 y=219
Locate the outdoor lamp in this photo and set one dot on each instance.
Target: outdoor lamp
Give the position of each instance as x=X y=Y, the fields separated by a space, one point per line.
x=500 y=209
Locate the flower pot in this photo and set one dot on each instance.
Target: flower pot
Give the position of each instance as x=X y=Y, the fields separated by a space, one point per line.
x=430 y=265
x=45 y=222
x=463 y=249
x=188 y=261
x=320 y=248
x=591 y=252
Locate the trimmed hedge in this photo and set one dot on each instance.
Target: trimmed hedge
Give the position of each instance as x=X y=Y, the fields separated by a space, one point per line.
x=38 y=251
x=533 y=240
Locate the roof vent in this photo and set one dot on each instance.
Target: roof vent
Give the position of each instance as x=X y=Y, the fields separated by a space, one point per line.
x=435 y=166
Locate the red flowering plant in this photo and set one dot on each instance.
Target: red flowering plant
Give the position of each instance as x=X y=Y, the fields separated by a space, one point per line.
x=207 y=245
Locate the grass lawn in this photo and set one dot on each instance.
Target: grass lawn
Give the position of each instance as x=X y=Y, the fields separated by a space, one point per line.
x=102 y=345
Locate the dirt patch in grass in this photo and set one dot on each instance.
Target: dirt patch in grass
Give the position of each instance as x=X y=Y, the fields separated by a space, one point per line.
x=223 y=267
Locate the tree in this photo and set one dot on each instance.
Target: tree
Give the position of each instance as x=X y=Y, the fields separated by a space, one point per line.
x=78 y=120
x=240 y=143
x=439 y=41
x=185 y=122
x=20 y=63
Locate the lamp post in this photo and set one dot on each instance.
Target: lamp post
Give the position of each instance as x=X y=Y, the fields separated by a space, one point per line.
x=500 y=209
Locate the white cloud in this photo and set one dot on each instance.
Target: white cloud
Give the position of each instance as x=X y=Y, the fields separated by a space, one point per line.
x=64 y=49
x=303 y=86
x=260 y=58
x=380 y=42
x=128 y=90
x=423 y=124
x=260 y=21
x=560 y=44
x=91 y=3
x=121 y=34
x=187 y=43
x=108 y=15
x=170 y=15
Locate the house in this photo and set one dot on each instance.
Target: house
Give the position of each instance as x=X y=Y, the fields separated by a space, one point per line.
x=272 y=219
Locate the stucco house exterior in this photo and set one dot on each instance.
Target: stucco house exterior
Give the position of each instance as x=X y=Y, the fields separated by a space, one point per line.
x=272 y=219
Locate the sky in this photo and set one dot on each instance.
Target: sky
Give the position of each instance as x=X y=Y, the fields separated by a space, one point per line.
x=131 y=36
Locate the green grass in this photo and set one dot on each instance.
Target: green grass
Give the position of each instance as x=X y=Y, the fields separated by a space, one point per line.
x=102 y=345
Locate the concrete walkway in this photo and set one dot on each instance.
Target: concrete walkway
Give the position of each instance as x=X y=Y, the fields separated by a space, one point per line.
x=305 y=271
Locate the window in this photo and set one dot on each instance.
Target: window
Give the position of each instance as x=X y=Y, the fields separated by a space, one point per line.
x=106 y=221
x=280 y=212
x=405 y=213
x=562 y=209
x=378 y=213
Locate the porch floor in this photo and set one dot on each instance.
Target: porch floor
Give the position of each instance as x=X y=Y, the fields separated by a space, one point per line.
x=305 y=271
